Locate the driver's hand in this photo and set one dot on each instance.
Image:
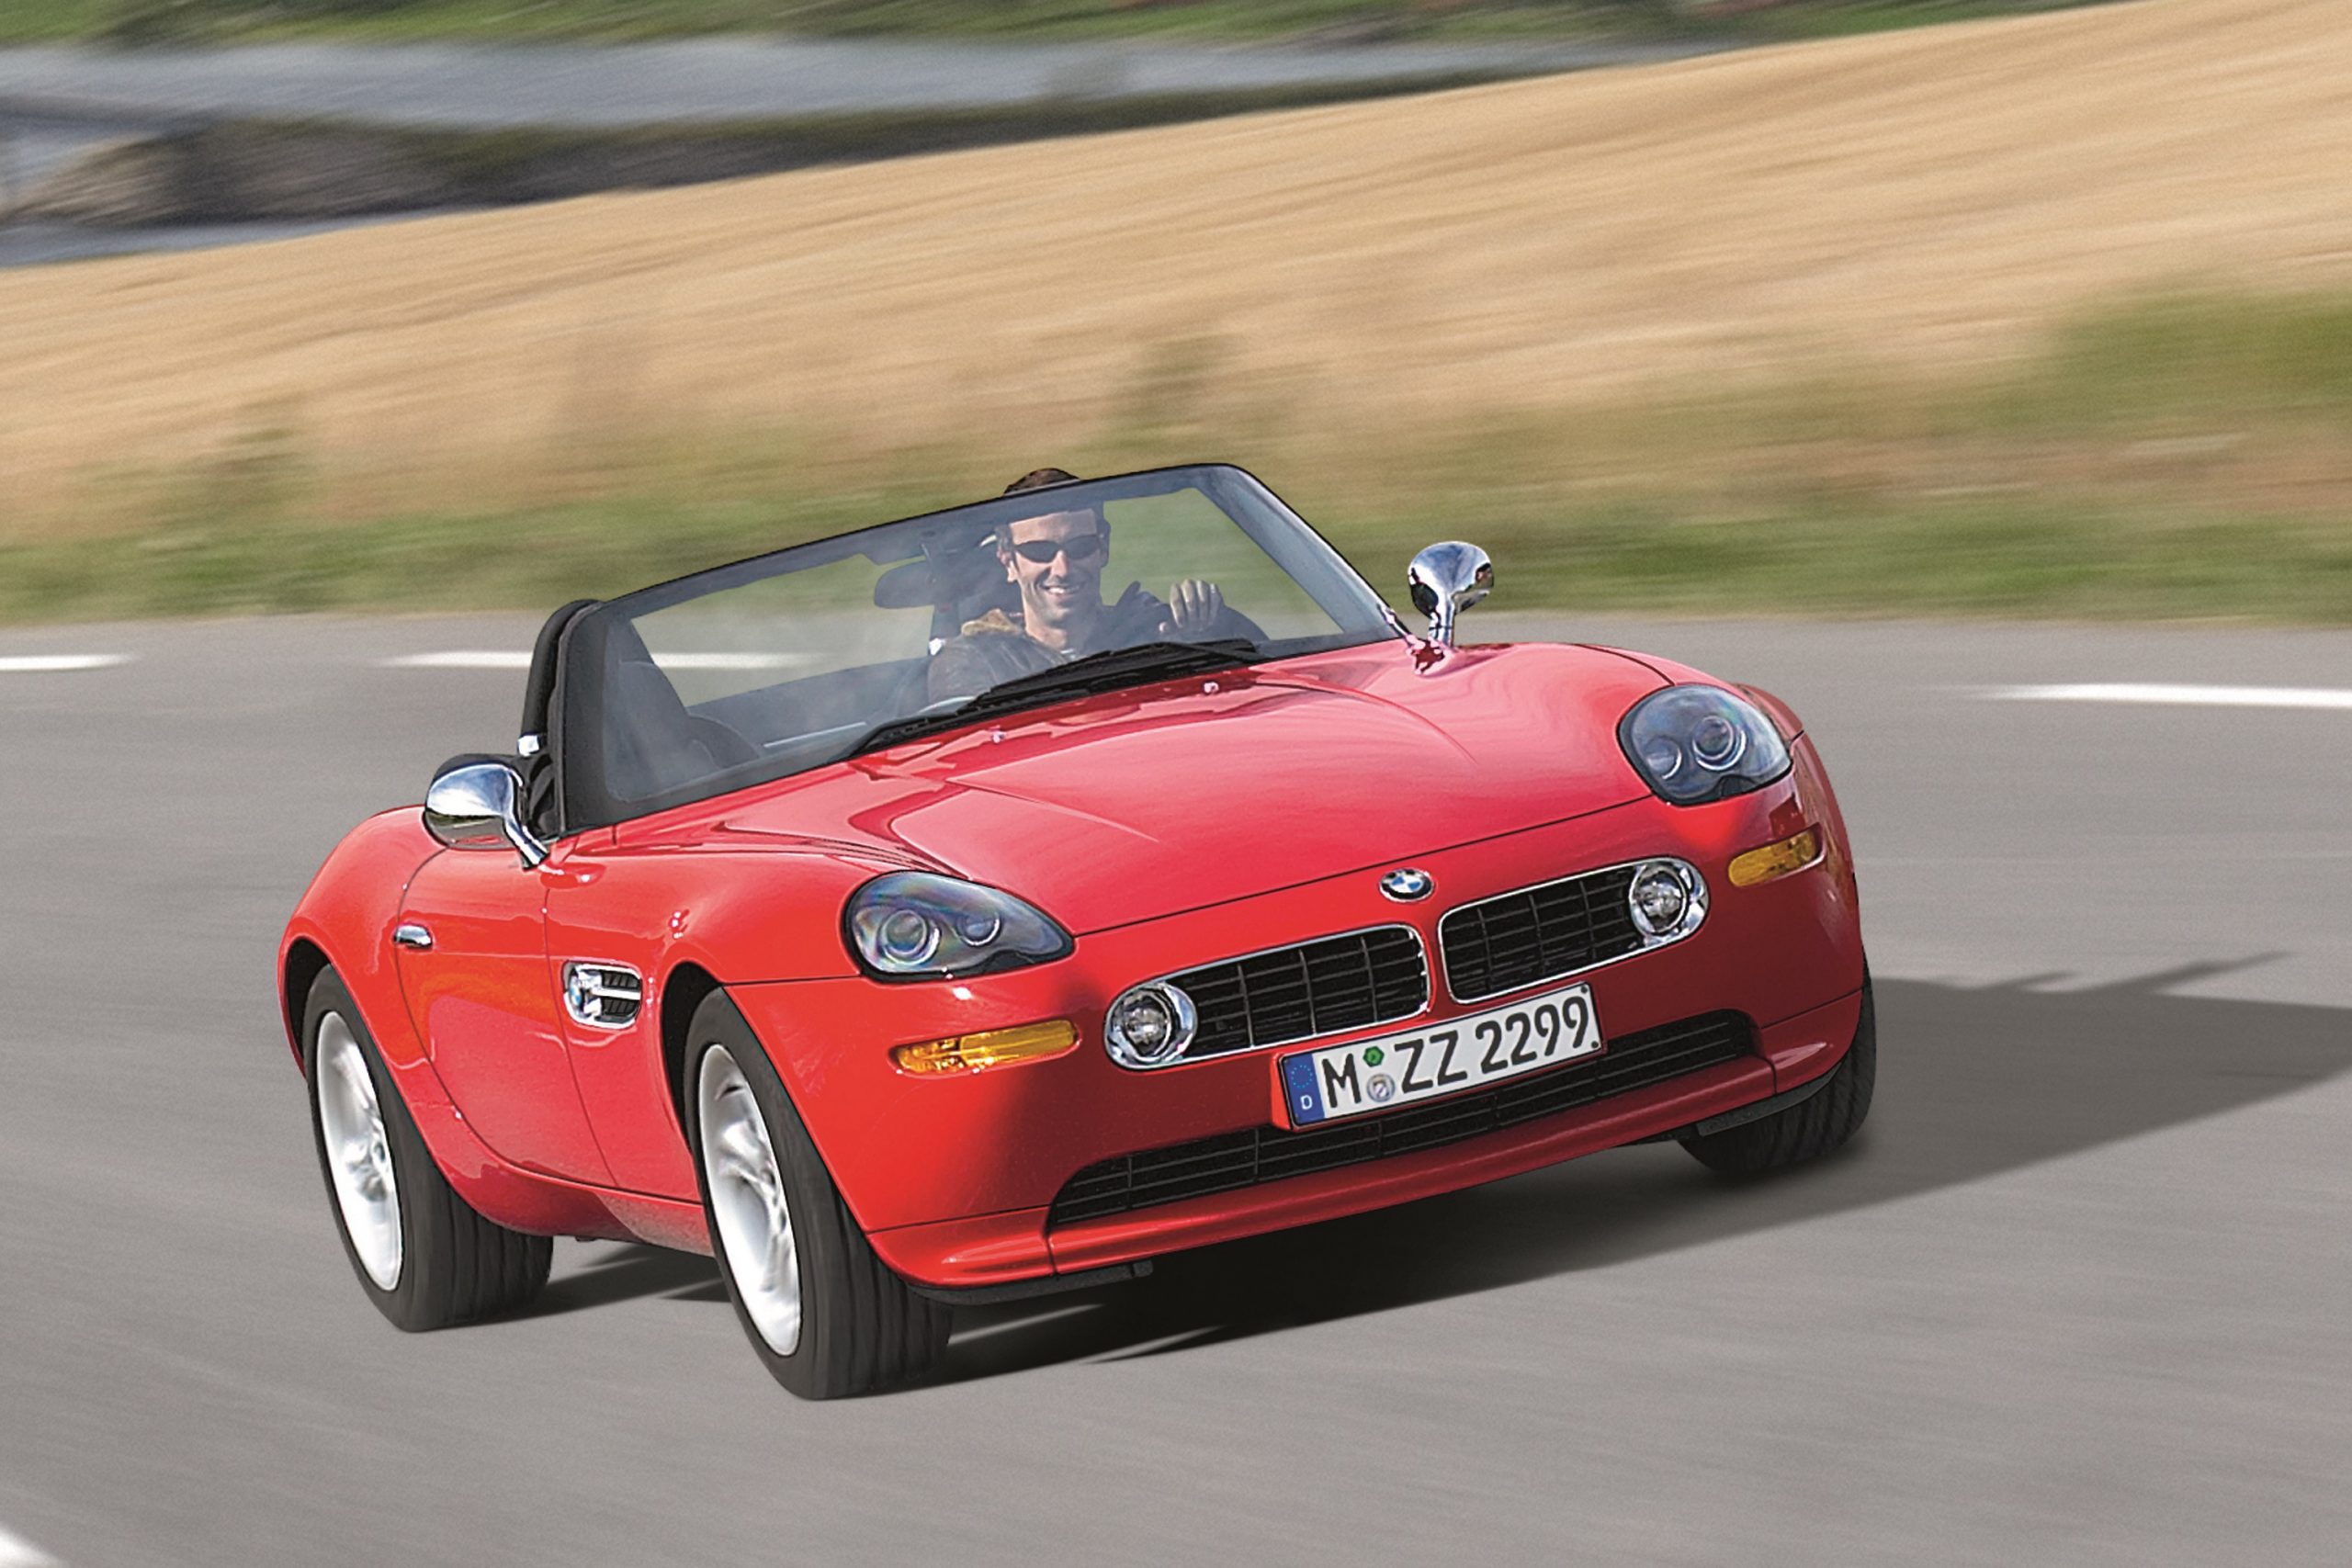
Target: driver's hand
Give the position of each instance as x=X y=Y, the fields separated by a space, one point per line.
x=1194 y=607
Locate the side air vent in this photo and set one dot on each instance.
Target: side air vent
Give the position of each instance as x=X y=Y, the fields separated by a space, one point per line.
x=602 y=996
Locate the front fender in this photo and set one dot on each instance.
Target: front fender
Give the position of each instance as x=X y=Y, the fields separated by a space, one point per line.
x=745 y=916
x=347 y=915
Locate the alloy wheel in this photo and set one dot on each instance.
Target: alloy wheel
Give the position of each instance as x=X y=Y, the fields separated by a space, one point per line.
x=747 y=1200
x=359 y=1156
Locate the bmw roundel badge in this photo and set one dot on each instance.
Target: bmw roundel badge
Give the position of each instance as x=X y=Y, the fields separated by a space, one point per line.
x=1404 y=883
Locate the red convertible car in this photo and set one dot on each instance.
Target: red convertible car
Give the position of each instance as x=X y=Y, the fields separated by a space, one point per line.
x=906 y=918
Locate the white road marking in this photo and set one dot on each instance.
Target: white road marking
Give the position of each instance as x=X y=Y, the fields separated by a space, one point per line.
x=505 y=658
x=55 y=663
x=463 y=659
x=733 y=660
x=2193 y=697
x=16 y=1551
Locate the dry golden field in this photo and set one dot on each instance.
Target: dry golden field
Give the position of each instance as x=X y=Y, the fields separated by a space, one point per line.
x=1929 y=198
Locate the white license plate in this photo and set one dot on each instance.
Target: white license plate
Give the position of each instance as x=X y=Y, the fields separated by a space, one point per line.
x=1458 y=1055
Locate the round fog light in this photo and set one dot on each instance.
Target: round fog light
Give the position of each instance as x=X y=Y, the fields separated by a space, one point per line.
x=1150 y=1026
x=1663 y=900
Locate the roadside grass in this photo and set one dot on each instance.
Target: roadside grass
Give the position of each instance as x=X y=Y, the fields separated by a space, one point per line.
x=1356 y=21
x=2187 y=455
x=2054 y=559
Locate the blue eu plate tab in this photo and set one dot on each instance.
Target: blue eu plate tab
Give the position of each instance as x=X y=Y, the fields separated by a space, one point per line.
x=1299 y=1088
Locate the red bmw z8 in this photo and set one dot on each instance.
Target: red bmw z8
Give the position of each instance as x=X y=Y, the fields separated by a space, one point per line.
x=913 y=917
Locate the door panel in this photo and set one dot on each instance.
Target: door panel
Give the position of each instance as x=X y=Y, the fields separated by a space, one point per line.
x=482 y=1000
x=606 y=910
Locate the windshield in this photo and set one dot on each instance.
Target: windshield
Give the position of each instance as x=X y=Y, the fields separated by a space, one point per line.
x=788 y=661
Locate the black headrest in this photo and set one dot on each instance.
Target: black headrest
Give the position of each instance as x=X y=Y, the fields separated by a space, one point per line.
x=950 y=567
x=905 y=585
x=539 y=690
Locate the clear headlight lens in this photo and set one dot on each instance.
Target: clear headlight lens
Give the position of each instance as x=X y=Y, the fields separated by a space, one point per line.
x=911 y=925
x=1695 y=744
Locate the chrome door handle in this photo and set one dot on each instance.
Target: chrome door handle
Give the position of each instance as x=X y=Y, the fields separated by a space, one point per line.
x=413 y=935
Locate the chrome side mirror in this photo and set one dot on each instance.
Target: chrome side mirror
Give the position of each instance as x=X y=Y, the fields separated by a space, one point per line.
x=479 y=807
x=1446 y=579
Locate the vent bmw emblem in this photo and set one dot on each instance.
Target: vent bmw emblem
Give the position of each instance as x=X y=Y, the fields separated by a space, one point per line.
x=1404 y=885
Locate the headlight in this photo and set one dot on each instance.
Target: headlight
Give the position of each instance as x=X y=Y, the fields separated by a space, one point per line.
x=1699 y=743
x=911 y=925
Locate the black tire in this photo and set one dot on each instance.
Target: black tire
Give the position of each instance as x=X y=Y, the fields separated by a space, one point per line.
x=1812 y=1127
x=861 y=1328
x=455 y=1266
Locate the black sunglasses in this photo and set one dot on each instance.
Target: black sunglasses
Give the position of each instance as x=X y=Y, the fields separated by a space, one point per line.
x=1081 y=548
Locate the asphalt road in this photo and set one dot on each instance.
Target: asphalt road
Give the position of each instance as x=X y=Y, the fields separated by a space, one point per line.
x=2077 y=1295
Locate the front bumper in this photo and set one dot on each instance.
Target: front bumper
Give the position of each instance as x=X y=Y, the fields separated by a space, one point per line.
x=952 y=1177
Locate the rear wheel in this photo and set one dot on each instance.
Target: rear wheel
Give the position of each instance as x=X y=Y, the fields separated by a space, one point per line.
x=1812 y=1127
x=423 y=1255
x=827 y=1316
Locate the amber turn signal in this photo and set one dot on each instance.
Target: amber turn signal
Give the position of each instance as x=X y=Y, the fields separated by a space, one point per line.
x=990 y=1048
x=1791 y=854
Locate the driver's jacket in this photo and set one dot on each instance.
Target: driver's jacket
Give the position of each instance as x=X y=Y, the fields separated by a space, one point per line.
x=995 y=648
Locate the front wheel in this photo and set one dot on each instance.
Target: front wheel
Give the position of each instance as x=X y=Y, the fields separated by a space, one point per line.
x=827 y=1316
x=423 y=1254
x=1812 y=1127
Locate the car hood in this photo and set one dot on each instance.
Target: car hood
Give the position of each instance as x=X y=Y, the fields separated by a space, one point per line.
x=1153 y=800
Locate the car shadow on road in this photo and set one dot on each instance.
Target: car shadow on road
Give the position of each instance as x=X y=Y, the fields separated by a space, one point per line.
x=1973 y=1083
x=624 y=1272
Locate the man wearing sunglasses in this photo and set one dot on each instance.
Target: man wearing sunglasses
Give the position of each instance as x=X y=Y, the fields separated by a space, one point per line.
x=1055 y=561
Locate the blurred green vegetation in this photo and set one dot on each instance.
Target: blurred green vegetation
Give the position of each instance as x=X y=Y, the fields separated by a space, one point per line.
x=166 y=21
x=2187 y=456
x=1993 y=556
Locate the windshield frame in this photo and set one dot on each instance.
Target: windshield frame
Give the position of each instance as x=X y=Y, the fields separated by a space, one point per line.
x=576 y=727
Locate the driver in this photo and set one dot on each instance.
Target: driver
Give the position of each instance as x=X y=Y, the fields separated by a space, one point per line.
x=1055 y=559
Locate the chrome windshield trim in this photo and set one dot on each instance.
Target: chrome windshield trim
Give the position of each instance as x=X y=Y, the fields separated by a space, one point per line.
x=1428 y=993
x=1649 y=943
